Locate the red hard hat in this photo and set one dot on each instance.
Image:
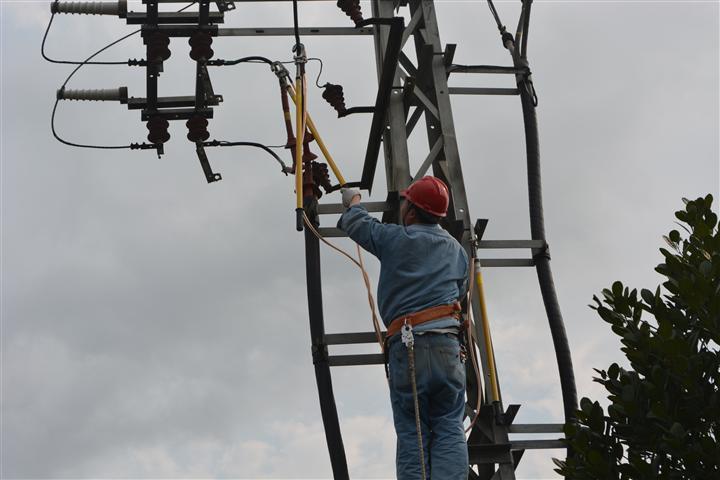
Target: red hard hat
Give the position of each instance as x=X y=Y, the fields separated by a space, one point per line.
x=429 y=194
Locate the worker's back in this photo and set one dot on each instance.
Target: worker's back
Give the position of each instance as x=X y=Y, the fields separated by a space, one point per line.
x=421 y=265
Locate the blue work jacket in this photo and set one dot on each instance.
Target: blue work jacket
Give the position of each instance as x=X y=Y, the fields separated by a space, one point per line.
x=421 y=266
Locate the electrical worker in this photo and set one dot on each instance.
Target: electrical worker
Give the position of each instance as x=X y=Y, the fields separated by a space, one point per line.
x=423 y=275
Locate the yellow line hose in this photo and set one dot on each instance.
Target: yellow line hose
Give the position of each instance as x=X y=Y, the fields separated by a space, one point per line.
x=318 y=139
x=486 y=332
x=300 y=134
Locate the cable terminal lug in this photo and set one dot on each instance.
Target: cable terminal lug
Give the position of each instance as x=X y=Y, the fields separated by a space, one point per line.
x=300 y=53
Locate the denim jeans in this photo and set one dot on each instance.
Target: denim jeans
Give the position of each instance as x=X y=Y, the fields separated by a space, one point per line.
x=440 y=378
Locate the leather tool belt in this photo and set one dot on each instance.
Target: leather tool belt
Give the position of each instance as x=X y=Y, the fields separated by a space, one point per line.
x=417 y=318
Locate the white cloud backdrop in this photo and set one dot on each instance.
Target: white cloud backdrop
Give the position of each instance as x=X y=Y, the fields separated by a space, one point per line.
x=154 y=326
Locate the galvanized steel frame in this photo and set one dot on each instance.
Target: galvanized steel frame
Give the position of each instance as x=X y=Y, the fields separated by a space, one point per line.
x=424 y=87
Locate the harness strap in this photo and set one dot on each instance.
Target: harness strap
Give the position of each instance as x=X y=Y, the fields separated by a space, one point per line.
x=423 y=316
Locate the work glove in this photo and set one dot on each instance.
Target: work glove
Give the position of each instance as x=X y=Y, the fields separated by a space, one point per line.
x=347 y=195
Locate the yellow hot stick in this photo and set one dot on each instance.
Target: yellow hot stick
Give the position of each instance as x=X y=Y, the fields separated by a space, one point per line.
x=321 y=144
x=299 y=136
x=486 y=332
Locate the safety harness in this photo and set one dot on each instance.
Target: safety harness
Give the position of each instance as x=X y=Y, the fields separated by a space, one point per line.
x=453 y=310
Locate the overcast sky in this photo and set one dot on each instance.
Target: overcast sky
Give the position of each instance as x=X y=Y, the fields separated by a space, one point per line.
x=155 y=326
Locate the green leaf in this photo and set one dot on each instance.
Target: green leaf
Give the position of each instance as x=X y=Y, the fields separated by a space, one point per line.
x=677 y=430
x=628 y=393
x=706 y=268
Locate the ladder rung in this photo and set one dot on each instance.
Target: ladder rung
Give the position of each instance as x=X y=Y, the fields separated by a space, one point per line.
x=330 y=232
x=485 y=69
x=486 y=453
x=330 y=208
x=360 y=359
x=536 y=428
x=351 y=338
x=482 y=91
x=507 y=262
x=512 y=244
x=280 y=31
x=537 y=444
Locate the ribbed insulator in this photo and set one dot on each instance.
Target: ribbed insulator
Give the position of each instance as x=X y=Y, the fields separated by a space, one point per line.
x=158 y=128
x=197 y=129
x=91 y=8
x=321 y=175
x=106 y=95
x=335 y=97
x=200 y=46
x=157 y=47
x=351 y=9
x=308 y=156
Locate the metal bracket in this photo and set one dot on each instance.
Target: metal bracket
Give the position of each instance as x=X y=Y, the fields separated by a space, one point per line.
x=225 y=5
x=319 y=352
x=480 y=226
x=205 y=164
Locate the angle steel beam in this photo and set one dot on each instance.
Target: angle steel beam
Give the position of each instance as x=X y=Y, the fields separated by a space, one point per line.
x=432 y=81
x=536 y=428
x=350 y=338
x=385 y=84
x=330 y=208
x=483 y=91
x=355 y=360
x=397 y=169
x=304 y=31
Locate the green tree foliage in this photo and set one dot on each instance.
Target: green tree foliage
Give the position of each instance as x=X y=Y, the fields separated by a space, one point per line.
x=664 y=412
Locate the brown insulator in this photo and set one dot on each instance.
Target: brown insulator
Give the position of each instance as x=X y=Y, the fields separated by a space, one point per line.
x=158 y=130
x=200 y=43
x=197 y=129
x=157 y=47
x=308 y=156
x=290 y=143
x=310 y=188
x=321 y=175
x=333 y=94
x=351 y=9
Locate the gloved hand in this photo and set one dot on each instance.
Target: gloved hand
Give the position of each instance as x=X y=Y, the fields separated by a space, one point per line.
x=348 y=194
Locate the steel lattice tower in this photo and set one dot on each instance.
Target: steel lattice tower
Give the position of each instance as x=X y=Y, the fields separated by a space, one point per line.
x=407 y=93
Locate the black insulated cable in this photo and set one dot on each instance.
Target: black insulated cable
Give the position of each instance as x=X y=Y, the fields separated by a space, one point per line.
x=317 y=80
x=52 y=117
x=72 y=62
x=295 y=25
x=494 y=12
x=251 y=59
x=526 y=28
x=223 y=143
